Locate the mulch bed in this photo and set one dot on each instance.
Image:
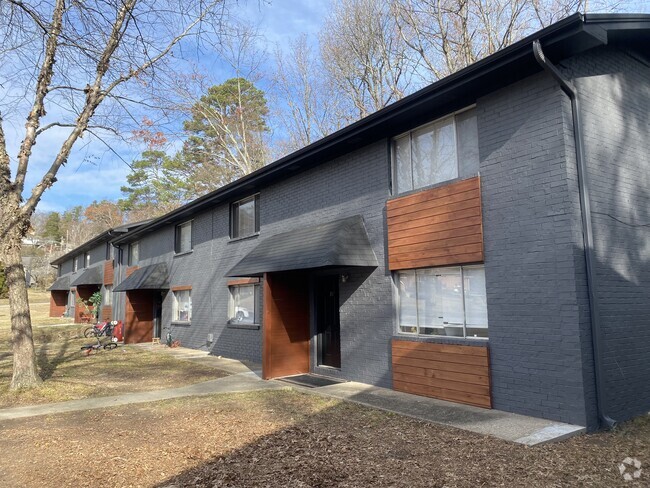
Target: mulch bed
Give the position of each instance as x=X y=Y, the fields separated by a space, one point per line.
x=283 y=438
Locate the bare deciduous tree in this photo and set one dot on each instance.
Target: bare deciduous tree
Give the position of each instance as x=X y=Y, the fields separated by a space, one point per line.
x=312 y=107
x=365 y=56
x=72 y=66
x=447 y=35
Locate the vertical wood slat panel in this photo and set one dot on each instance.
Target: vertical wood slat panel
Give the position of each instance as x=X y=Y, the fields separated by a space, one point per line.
x=436 y=227
x=138 y=325
x=109 y=272
x=448 y=372
x=286 y=324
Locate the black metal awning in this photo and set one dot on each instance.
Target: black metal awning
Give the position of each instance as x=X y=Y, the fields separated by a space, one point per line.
x=341 y=243
x=89 y=276
x=61 y=284
x=152 y=277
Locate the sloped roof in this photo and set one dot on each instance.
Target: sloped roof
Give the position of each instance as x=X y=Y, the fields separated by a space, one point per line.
x=106 y=236
x=152 y=277
x=89 y=276
x=62 y=283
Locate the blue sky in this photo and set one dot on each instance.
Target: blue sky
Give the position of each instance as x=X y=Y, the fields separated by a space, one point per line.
x=94 y=172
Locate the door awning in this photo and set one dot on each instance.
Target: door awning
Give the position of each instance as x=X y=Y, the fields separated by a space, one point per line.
x=341 y=243
x=61 y=284
x=89 y=276
x=152 y=277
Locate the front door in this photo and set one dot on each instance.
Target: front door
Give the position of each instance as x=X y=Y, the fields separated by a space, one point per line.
x=157 y=314
x=327 y=321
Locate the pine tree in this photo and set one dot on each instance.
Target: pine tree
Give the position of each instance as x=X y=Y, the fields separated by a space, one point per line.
x=227 y=135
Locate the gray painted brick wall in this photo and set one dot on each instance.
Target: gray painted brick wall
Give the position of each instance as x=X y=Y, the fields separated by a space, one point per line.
x=614 y=93
x=530 y=217
x=355 y=184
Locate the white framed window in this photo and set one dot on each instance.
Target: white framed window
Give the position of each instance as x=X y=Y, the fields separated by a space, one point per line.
x=182 y=308
x=183 y=238
x=448 y=301
x=134 y=253
x=245 y=217
x=86 y=260
x=440 y=151
x=242 y=305
x=75 y=263
x=108 y=295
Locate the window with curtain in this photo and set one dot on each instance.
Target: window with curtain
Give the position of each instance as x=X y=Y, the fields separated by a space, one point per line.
x=440 y=151
x=183 y=238
x=108 y=295
x=182 y=309
x=448 y=301
x=244 y=217
x=134 y=253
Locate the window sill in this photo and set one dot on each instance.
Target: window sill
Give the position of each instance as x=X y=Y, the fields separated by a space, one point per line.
x=237 y=239
x=468 y=341
x=395 y=195
x=184 y=253
x=235 y=325
x=177 y=322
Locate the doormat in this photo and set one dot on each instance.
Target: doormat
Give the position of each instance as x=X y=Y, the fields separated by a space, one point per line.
x=311 y=380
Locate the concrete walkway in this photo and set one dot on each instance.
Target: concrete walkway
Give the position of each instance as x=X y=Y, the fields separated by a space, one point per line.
x=521 y=429
x=246 y=377
x=240 y=382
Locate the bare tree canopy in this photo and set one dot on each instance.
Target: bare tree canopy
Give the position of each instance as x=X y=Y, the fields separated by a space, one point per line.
x=448 y=35
x=72 y=66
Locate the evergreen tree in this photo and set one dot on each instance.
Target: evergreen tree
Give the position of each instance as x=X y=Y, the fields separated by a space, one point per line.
x=52 y=228
x=156 y=184
x=227 y=135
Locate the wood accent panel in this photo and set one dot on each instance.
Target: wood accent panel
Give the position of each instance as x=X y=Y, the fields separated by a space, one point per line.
x=107 y=313
x=244 y=281
x=181 y=288
x=130 y=270
x=84 y=314
x=285 y=347
x=437 y=227
x=109 y=272
x=138 y=326
x=445 y=371
x=58 y=302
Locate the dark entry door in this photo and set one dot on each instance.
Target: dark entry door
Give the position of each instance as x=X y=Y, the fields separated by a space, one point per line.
x=157 y=314
x=327 y=321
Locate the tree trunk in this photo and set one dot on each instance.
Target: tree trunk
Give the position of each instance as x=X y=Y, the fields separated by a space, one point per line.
x=25 y=372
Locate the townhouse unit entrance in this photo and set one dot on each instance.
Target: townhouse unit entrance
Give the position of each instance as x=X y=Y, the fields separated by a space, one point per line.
x=299 y=309
x=144 y=289
x=301 y=272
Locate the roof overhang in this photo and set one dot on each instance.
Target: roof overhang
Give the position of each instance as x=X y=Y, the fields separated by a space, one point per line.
x=89 y=276
x=341 y=243
x=106 y=236
x=61 y=284
x=152 y=277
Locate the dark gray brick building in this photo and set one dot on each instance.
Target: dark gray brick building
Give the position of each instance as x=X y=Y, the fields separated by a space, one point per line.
x=468 y=198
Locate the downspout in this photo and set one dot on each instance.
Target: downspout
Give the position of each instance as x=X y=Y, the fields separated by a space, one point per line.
x=587 y=233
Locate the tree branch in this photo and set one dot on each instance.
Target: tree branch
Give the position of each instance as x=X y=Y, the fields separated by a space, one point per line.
x=38 y=108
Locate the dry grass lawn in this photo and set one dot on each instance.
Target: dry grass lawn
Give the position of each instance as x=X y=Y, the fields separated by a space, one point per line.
x=283 y=438
x=39 y=305
x=69 y=375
